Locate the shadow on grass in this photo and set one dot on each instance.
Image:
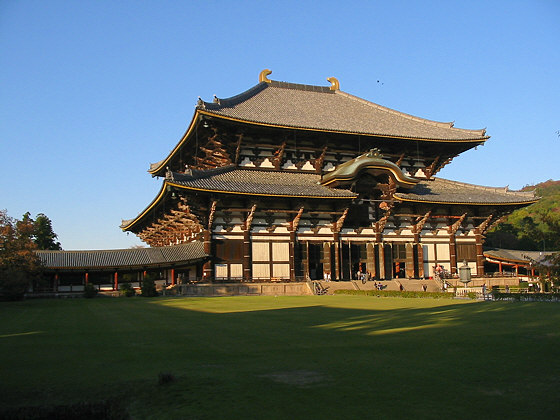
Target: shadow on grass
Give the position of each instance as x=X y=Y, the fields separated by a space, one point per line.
x=299 y=358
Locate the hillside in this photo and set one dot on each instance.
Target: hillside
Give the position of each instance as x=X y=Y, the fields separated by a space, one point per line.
x=532 y=228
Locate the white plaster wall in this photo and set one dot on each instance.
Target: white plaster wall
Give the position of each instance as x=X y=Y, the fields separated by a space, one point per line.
x=220 y=270
x=281 y=271
x=280 y=251
x=261 y=270
x=442 y=252
x=261 y=251
x=236 y=271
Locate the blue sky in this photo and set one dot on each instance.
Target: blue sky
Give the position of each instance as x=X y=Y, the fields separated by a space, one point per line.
x=93 y=91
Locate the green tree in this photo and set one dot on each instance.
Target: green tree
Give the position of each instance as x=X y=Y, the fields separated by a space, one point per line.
x=19 y=264
x=43 y=234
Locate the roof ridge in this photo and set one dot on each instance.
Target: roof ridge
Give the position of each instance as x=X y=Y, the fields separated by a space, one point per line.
x=232 y=100
x=198 y=173
x=147 y=249
x=504 y=190
x=439 y=124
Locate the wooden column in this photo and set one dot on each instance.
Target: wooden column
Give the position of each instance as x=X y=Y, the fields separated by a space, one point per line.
x=417 y=230
x=452 y=230
x=173 y=277
x=479 y=239
x=247 y=255
x=381 y=248
x=336 y=275
x=409 y=268
x=292 y=256
x=453 y=253
x=420 y=249
x=294 y=224
x=56 y=281
x=480 y=255
x=207 y=267
x=500 y=268
x=336 y=228
x=87 y=277
x=247 y=272
x=116 y=281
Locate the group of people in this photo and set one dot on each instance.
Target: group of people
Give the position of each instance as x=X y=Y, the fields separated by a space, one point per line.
x=364 y=276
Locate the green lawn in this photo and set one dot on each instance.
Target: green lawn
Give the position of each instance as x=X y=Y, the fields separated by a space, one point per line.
x=304 y=357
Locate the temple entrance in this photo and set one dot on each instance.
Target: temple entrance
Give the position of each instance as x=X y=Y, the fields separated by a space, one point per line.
x=315 y=260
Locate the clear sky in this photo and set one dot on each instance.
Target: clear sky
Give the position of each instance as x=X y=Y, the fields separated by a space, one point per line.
x=91 y=92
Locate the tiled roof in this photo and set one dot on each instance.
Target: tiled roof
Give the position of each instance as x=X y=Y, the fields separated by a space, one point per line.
x=515 y=255
x=122 y=258
x=439 y=190
x=257 y=182
x=319 y=108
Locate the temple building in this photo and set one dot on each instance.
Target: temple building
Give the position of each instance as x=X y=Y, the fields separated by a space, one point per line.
x=289 y=182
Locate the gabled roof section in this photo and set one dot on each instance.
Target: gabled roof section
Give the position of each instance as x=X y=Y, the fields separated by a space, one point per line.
x=444 y=191
x=371 y=162
x=123 y=258
x=321 y=108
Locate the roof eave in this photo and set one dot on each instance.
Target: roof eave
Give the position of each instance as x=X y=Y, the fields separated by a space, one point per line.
x=479 y=141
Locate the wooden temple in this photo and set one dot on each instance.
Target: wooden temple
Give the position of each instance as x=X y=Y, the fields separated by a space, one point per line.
x=293 y=182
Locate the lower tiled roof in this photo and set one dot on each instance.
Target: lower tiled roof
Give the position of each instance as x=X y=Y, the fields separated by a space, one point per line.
x=514 y=255
x=122 y=258
x=258 y=182
x=439 y=190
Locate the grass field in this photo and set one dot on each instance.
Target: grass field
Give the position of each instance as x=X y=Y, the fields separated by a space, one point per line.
x=304 y=357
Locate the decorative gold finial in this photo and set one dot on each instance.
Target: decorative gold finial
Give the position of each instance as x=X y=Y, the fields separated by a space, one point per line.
x=263 y=74
x=335 y=85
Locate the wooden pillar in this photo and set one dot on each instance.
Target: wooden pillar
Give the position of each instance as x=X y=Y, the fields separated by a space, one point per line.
x=500 y=268
x=420 y=260
x=247 y=255
x=336 y=275
x=292 y=256
x=116 y=281
x=87 y=277
x=409 y=268
x=173 y=277
x=453 y=253
x=56 y=281
x=381 y=261
x=207 y=267
x=479 y=255
x=516 y=270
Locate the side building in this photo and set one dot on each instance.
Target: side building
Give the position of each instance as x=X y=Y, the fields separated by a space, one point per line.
x=292 y=182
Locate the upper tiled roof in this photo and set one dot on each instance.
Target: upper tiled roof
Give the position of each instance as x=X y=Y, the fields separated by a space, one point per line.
x=319 y=108
x=122 y=258
x=439 y=190
x=257 y=182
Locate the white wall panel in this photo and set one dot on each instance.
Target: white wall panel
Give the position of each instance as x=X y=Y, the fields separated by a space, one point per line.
x=280 y=251
x=261 y=271
x=281 y=271
x=261 y=251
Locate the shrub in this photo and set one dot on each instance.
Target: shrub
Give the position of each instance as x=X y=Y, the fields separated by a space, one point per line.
x=90 y=291
x=127 y=290
x=396 y=293
x=149 y=286
x=13 y=284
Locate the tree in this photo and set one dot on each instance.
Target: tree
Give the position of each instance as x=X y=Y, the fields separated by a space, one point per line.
x=19 y=264
x=43 y=234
